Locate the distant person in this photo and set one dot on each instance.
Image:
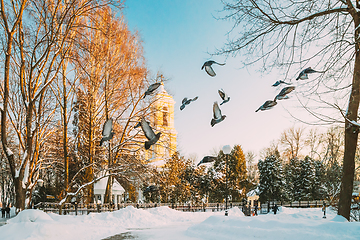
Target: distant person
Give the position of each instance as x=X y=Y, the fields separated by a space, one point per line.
x=7 y=209
x=255 y=210
x=276 y=208
x=3 y=210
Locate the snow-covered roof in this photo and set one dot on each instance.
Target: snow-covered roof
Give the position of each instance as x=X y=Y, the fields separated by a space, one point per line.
x=100 y=186
x=251 y=193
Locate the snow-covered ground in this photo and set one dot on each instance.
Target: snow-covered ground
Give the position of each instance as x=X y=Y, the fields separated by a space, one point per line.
x=164 y=223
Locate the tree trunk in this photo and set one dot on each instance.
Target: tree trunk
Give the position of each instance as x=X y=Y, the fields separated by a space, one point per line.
x=351 y=136
x=108 y=191
x=20 y=194
x=109 y=185
x=65 y=138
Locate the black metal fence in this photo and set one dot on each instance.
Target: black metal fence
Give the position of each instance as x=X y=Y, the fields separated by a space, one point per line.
x=266 y=207
x=81 y=209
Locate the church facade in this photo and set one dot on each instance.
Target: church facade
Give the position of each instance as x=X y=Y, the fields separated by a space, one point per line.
x=162 y=120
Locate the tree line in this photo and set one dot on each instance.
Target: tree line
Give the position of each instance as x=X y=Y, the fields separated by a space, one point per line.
x=302 y=165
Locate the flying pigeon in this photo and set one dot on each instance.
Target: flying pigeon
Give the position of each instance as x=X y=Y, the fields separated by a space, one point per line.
x=208 y=68
x=223 y=96
x=152 y=88
x=267 y=105
x=187 y=101
x=279 y=82
x=149 y=134
x=217 y=115
x=107 y=131
x=283 y=93
x=207 y=159
x=304 y=73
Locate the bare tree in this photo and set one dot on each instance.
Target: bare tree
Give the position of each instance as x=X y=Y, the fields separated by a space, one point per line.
x=293 y=140
x=109 y=64
x=35 y=51
x=292 y=34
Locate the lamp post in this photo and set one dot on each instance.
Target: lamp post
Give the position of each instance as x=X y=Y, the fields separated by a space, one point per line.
x=226 y=150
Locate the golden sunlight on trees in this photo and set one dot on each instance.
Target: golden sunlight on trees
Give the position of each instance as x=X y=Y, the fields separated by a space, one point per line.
x=69 y=64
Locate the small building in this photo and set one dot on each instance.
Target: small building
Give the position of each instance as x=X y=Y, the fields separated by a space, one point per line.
x=253 y=198
x=117 y=191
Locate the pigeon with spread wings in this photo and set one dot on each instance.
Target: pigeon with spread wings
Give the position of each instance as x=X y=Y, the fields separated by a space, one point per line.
x=223 y=96
x=277 y=83
x=267 y=105
x=152 y=88
x=284 y=92
x=209 y=69
x=187 y=101
x=217 y=115
x=207 y=159
x=107 y=131
x=304 y=73
x=149 y=134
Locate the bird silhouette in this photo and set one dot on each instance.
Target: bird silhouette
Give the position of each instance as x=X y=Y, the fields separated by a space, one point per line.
x=217 y=115
x=187 y=101
x=149 y=134
x=209 y=69
x=223 y=96
x=304 y=73
x=283 y=93
x=206 y=159
x=267 y=105
x=152 y=88
x=107 y=131
x=277 y=83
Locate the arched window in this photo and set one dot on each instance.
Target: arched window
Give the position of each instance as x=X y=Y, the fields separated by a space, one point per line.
x=165 y=116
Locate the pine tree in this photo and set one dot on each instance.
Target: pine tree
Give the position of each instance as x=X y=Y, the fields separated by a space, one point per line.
x=307 y=177
x=271 y=180
x=237 y=182
x=318 y=187
x=293 y=183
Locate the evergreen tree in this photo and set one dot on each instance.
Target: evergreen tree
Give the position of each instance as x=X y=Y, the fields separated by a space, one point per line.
x=318 y=187
x=293 y=181
x=271 y=185
x=237 y=181
x=175 y=187
x=307 y=178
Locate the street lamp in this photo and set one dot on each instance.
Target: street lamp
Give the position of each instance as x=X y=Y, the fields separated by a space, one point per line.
x=226 y=150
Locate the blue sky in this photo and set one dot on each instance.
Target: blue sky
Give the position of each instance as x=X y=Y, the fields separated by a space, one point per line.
x=177 y=39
